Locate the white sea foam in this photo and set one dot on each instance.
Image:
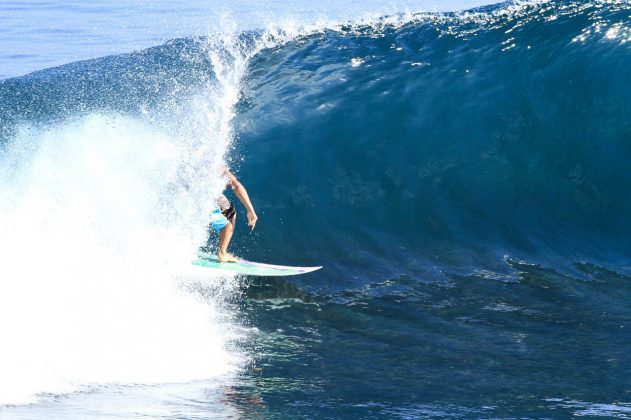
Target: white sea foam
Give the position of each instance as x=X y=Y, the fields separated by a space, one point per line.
x=99 y=214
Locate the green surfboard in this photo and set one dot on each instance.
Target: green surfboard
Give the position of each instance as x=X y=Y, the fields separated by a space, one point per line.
x=250 y=268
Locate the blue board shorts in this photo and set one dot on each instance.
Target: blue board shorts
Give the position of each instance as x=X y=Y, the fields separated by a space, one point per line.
x=217 y=220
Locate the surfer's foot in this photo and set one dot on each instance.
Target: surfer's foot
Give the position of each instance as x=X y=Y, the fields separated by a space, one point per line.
x=226 y=257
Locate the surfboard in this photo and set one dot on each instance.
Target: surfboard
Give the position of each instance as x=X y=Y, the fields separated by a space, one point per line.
x=251 y=268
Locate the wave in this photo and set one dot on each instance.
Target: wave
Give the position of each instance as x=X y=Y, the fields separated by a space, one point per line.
x=413 y=145
x=445 y=142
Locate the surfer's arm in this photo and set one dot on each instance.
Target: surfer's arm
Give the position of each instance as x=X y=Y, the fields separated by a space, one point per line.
x=242 y=195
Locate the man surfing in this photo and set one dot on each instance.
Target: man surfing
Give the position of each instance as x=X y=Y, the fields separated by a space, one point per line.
x=224 y=216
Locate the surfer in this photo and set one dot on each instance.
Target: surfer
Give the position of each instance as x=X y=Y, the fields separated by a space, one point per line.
x=223 y=217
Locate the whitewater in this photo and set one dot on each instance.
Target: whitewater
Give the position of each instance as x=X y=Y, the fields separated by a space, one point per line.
x=462 y=176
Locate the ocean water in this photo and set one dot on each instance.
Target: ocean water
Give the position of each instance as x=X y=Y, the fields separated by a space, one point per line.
x=462 y=176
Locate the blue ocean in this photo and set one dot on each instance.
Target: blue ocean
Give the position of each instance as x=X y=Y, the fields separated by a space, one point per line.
x=462 y=175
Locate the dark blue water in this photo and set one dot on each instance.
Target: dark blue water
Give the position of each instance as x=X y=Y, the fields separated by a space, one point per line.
x=445 y=148
x=464 y=180
x=467 y=188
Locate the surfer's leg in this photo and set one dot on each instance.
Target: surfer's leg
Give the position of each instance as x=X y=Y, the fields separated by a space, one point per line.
x=224 y=240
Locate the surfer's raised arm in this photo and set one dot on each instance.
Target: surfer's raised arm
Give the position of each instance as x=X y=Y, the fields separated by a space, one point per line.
x=242 y=195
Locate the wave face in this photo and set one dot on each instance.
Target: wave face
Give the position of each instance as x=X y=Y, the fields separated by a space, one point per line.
x=447 y=141
x=464 y=180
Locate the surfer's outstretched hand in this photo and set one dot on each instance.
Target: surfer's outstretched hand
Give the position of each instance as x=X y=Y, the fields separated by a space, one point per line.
x=252 y=218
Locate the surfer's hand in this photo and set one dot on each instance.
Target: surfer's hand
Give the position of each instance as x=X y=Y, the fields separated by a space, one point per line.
x=252 y=218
